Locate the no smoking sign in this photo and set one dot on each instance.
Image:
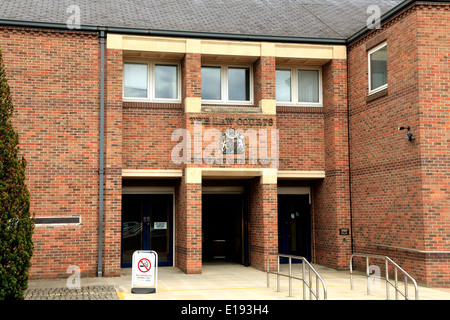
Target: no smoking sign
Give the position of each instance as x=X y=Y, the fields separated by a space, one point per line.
x=144 y=271
x=144 y=265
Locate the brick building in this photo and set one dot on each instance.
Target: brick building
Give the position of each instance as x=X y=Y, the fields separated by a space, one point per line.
x=208 y=134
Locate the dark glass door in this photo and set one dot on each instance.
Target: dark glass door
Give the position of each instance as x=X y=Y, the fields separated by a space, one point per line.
x=294 y=226
x=147 y=225
x=223 y=228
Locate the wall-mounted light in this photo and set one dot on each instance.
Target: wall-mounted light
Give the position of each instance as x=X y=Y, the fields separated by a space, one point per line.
x=409 y=136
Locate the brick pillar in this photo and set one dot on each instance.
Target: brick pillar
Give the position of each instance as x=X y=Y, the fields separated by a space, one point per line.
x=191 y=82
x=112 y=212
x=263 y=218
x=332 y=197
x=188 y=221
x=265 y=83
x=265 y=79
x=263 y=211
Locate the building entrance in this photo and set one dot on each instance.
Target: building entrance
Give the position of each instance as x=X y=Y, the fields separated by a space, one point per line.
x=223 y=228
x=294 y=225
x=147 y=225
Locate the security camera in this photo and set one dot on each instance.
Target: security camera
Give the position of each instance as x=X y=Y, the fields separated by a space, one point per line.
x=409 y=137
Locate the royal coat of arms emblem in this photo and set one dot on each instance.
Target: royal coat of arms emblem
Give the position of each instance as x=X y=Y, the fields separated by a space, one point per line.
x=233 y=142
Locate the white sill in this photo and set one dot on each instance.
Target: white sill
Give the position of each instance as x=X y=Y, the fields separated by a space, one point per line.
x=378 y=89
x=150 y=101
x=296 y=105
x=227 y=103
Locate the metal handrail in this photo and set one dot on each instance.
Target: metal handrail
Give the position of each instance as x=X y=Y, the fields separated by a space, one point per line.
x=305 y=264
x=395 y=285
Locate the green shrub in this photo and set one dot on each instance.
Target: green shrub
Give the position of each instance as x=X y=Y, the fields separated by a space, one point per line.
x=16 y=223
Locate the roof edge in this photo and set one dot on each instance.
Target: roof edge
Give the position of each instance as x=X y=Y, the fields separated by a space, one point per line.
x=390 y=14
x=172 y=33
x=217 y=35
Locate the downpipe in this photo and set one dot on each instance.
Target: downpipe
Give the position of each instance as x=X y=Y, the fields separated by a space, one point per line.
x=101 y=162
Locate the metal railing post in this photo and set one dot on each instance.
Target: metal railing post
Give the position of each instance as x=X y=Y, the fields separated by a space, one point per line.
x=305 y=264
x=290 y=277
x=368 y=274
x=310 y=283
x=304 y=284
x=317 y=289
x=387 y=279
x=278 y=274
x=395 y=285
x=351 y=272
x=406 y=285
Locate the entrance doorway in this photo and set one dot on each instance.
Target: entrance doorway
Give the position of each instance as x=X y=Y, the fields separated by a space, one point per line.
x=147 y=225
x=294 y=225
x=224 y=228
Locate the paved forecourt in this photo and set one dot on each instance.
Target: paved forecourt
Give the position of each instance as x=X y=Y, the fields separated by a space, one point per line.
x=221 y=281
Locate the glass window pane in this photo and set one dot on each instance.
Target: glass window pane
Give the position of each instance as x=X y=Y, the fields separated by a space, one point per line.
x=166 y=82
x=239 y=84
x=135 y=80
x=211 y=83
x=283 y=84
x=378 y=63
x=308 y=86
x=160 y=216
x=132 y=213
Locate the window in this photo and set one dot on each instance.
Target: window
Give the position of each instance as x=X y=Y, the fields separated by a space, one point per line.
x=166 y=82
x=283 y=84
x=308 y=86
x=378 y=68
x=299 y=86
x=211 y=83
x=149 y=81
x=239 y=84
x=135 y=80
x=226 y=84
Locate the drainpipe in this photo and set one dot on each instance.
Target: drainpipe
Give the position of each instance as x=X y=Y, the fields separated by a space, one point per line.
x=349 y=157
x=101 y=164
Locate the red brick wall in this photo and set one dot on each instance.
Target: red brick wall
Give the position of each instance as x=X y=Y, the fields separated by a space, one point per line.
x=56 y=98
x=147 y=132
x=113 y=164
x=331 y=196
x=301 y=132
x=433 y=40
x=301 y=129
x=385 y=168
x=400 y=189
x=239 y=122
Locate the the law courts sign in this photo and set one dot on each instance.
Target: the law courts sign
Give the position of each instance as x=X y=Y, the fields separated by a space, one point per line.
x=144 y=272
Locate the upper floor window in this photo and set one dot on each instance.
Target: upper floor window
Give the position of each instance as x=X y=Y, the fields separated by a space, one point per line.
x=378 y=68
x=226 y=84
x=299 y=86
x=150 y=81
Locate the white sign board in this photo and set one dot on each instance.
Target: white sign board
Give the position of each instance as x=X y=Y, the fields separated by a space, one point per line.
x=160 y=225
x=144 y=271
